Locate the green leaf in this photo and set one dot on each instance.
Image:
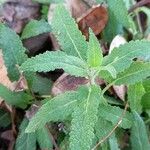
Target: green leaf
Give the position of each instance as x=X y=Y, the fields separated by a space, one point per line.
x=113 y=143
x=104 y=146
x=102 y=128
x=113 y=101
x=44 y=139
x=122 y=16
x=18 y=99
x=58 y=108
x=135 y=93
x=44 y=12
x=94 y=53
x=113 y=114
x=5 y=118
x=139 y=137
x=135 y=73
x=34 y=28
x=2 y=1
x=25 y=141
x=116 y=20
x=68 y=34
x=121 y=58
x=50 y=61
x=146 y=101
x=64 y=145
x=84 y=120
x=111 y=70
x=146 y=97
x=129 y=3
x=41 y=85
x=13 y=51
x=146 y=84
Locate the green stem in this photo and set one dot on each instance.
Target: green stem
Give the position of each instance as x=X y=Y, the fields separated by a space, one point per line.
x=107 y=87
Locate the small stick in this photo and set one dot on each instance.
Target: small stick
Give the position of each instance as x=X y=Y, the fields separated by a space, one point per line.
x=113 y=130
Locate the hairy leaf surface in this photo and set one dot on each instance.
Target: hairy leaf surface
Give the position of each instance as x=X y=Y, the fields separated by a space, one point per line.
x=68 y=34
x=41 y=85
x=34 y=28
x=139 y=137
x=58 y=108
x=146 y=101
x=102 y=127
x=25 y=141
x=94 y=53
x=146 y=84
x=135 y=93
x=84 y=120
x=18 y=99
x=113 y=114
x=43 y=139
x=116 y=20
x=135 y=73
x=121 y=57
x=113 y=143
x=13 y=51
x=50 y=61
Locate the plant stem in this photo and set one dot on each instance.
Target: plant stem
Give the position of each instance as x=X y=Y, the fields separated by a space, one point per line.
x=107 y=87
x=113 y=130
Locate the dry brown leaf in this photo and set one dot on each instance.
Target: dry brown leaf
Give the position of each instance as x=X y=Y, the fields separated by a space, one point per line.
x=119 y=90
x=3 y=73
x=32 y=110
x=18 y=12
x=95 y=18
x=54 y=41
x=88 y=15
x=77 y=7
x=36 y=44
x=20 y=85
x=8 y=135
x=66 y=83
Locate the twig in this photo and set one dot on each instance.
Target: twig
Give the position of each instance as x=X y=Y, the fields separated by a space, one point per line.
x=13 y=117
x=113 y=130
x=139 y=4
